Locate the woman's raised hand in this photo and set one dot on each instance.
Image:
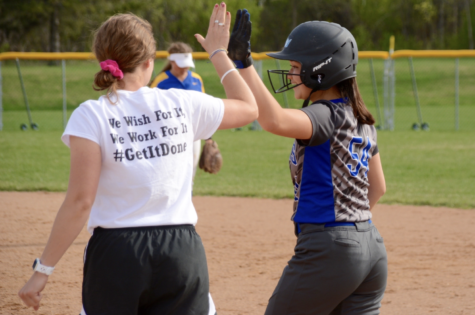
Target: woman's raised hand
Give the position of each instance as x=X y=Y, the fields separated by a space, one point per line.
x=240 y=107
x=218 y=30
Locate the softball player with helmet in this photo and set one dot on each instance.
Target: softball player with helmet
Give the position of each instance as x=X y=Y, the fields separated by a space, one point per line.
x=131 y=169
x=176 y=74
x=340 y=262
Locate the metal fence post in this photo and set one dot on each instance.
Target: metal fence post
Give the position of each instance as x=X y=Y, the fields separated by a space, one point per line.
x=389 y=87
x=65 y=118
x=392 y=95
x=388 y=109
x=414 y=89
x=32 y=124
x=456 y=93
x=258 y=65
x=375 y=93
x=1 y=98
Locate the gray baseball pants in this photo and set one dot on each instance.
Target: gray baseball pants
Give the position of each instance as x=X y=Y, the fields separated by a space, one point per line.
x=335 y=270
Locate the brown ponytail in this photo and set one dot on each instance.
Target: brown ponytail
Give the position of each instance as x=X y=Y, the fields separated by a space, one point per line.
x=104 y=80
x=176 y=48
x=126 y=39
x=349 y=89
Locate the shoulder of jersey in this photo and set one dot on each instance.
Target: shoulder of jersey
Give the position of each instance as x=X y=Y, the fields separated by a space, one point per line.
x=159 y=78
x=197 y=76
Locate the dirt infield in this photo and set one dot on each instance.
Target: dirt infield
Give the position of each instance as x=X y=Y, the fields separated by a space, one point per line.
x=248 y=242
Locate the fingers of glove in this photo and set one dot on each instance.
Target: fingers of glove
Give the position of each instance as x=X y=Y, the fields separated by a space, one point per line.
x=246 y=17
x=245 y=12
x=216 y=163
x=236 y=21
x=248 y=30
x=242 y=22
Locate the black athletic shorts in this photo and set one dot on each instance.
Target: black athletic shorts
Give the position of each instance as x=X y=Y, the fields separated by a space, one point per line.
x=145 y=270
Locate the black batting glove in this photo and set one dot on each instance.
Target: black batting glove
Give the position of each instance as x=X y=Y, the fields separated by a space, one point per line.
x=239 y=48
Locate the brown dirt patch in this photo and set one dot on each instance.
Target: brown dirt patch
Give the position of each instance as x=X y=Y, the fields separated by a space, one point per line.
x=248 y=242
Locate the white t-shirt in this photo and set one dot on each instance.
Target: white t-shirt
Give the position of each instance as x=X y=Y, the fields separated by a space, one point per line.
x=146 y=142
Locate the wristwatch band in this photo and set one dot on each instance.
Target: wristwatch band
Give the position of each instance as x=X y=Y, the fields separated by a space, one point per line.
x=37 y=266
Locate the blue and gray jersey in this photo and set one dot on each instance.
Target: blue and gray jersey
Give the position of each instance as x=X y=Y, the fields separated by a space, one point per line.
x=330 y=170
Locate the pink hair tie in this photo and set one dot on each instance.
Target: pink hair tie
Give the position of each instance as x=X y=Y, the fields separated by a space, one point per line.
x=112 y=67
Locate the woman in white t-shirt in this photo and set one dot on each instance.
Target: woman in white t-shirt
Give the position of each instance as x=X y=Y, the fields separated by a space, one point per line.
x=131 y=171
x=176 y=74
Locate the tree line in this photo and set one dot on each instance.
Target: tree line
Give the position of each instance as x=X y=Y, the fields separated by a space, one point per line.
x=68 y=25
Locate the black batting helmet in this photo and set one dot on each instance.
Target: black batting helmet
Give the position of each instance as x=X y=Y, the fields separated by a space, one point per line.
x=327 y=52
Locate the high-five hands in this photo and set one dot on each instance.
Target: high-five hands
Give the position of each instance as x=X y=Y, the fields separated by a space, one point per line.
x=239 y=49
x=218 y=30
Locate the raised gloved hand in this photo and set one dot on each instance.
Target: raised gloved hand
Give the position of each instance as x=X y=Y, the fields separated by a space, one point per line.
x=239 y=48
x=211 y=159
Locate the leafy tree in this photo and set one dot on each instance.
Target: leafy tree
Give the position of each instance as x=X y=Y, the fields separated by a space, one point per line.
x=68 y=25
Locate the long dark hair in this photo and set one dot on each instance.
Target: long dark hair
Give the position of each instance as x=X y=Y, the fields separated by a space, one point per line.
x=349 y=89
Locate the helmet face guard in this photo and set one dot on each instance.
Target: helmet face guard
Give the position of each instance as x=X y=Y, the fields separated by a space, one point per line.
x=281 y=78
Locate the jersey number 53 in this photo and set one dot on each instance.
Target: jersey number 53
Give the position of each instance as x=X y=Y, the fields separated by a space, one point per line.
x=361 y=160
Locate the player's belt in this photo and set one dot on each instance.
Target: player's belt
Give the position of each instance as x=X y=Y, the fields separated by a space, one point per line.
x=330 y=224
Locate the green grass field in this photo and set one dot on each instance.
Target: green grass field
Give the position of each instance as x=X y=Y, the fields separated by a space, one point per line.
x=423 y=168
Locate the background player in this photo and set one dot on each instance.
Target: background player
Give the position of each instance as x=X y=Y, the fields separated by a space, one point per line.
x=340 y=262
x=131 y=164
x=176 y=74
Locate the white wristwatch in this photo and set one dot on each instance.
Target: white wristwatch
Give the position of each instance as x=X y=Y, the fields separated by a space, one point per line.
x=37 y=266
